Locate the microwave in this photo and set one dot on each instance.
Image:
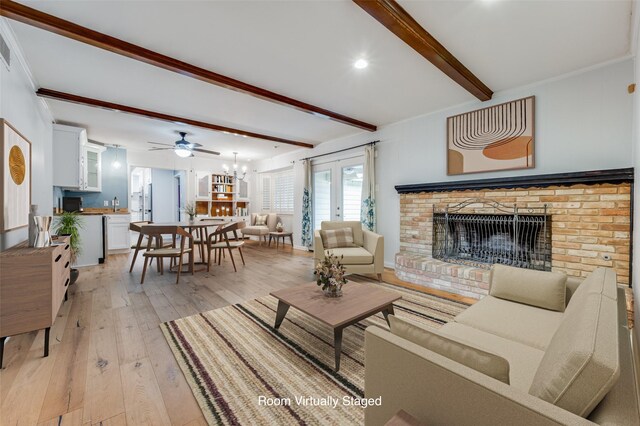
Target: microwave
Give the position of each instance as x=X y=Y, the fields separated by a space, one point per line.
x=72 y=204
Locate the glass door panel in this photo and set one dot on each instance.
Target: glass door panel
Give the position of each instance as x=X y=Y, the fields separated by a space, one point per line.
x=322 y=197
x=92 y=169
x=351 y=189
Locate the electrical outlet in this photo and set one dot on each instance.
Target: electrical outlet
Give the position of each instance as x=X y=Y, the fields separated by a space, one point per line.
x=106 y=203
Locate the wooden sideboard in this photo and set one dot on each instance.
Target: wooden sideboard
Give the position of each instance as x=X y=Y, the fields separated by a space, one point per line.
x=33 y=284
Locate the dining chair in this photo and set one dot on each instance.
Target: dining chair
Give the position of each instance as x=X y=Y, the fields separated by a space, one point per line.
x=137 y=227
x=160 y=252
x=219 y=240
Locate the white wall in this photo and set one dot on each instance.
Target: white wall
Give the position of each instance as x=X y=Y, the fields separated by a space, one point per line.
x=636 y=164
x=164 y=202
x=583 y=122
x=26 y=112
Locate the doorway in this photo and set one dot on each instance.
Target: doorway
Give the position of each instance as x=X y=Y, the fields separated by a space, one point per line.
x=337 y=190
x=140 y=198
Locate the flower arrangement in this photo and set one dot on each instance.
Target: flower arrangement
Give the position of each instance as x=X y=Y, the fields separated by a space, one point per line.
x=190 y=209
x=330 y=274
x=279 y=227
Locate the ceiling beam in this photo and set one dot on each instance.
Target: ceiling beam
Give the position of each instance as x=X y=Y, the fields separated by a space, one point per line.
x=397 y=20
x=68 y=97
x=27 y=15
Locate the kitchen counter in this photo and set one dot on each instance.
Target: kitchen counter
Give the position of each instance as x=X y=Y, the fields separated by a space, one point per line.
x=99 y=212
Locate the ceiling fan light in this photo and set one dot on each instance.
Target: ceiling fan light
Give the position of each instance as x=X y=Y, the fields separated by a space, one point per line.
x=182 y=152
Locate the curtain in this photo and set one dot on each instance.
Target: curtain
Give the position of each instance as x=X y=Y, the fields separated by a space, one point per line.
x=368 y=210
x=307 y=232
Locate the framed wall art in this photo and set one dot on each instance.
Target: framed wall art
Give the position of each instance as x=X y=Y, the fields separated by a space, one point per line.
x=16 y=178
x=499 y=137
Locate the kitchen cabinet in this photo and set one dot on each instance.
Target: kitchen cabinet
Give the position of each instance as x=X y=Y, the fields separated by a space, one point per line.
x=91 y=240
x=118 y=232
x=77 y=162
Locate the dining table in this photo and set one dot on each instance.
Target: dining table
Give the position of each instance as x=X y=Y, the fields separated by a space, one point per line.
x=199 y=228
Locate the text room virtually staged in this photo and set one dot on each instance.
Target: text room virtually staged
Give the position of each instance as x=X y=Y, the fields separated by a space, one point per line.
x=319 y=212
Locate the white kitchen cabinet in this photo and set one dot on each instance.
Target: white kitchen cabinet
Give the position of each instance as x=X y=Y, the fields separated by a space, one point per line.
x=91 y=240
x=77 y=163
x=118 y=232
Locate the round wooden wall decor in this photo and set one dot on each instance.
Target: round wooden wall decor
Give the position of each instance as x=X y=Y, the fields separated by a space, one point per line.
x=17 y=166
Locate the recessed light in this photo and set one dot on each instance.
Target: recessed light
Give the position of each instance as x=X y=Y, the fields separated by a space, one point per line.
x=360 y=64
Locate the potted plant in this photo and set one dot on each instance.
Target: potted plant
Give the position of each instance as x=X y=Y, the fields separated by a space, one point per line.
x=70 y=224
x=330 y=274
x=190 y=209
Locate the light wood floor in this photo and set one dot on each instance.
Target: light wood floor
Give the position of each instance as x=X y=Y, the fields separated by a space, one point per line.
x=109 y=363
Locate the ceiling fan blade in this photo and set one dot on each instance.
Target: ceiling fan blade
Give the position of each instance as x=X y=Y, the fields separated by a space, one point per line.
x=159 y=149
x=206 y=151
x=195 y=145
x=158 y=143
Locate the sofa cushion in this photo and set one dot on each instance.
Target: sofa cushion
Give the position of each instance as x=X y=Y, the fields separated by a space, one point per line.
x=352 y=255
x=536 y=288
x=255 y=230
x=485 y=362
x=523 y=359
x=581 y=363
x=356 y=227
x=335 y=238
x=515 y=321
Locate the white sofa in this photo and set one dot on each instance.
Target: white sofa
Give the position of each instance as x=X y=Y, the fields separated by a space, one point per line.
x=569 y=364
x=260 y=231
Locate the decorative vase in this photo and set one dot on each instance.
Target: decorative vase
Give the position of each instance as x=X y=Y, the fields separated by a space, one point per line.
x=279 y=228
x=333 y=289
x=33 y=229
x=192 y=218
x=43 y=237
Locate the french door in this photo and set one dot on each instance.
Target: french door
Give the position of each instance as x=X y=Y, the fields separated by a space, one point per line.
x=337 y=190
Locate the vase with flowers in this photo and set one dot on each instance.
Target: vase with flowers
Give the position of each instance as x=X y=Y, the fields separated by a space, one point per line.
x=190 y=210
x=330 y=274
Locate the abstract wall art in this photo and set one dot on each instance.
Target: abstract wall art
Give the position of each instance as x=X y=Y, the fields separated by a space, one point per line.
x=16 y=178
x=499 y=137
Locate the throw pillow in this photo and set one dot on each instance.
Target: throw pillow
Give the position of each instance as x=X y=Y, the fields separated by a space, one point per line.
x=542 y=289
x=484 y=362
x=261 y=220
x=336 y=238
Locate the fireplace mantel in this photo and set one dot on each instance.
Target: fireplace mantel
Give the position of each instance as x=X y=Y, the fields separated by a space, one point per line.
x=592 y=177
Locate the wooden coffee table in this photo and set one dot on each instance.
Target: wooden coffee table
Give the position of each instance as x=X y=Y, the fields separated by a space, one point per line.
x=358 y=302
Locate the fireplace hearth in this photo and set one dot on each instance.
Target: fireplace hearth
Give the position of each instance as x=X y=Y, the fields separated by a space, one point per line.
x=480 y=233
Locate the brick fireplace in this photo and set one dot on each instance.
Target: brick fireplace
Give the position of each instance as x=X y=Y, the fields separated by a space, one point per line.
x=590 y=225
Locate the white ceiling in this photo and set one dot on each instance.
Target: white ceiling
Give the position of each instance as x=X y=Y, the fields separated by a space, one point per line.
x=305 y=50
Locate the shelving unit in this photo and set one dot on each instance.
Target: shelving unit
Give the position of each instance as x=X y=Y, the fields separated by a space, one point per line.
x=218 y=196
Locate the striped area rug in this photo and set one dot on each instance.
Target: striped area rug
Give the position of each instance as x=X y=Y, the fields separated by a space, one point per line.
x=236 y=363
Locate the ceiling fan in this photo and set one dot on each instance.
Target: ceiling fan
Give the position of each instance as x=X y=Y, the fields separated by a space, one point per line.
x=183 y=148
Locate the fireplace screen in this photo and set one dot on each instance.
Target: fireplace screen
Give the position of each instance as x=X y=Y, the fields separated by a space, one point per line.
x=492 y=233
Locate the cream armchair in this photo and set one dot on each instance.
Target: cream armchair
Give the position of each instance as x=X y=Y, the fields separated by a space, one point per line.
x=260 y=231
x=366 y=258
